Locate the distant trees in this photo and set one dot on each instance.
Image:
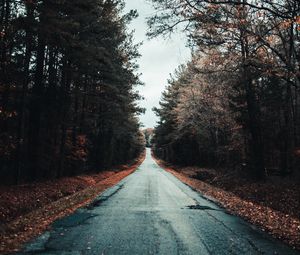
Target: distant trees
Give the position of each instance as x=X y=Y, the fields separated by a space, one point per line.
x=240 y=93
x=67 y=99
x=148 y=133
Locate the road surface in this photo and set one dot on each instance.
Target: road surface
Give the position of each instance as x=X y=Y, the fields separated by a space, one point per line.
x=152 y=212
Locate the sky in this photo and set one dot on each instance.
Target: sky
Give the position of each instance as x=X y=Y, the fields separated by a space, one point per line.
x=160 y=57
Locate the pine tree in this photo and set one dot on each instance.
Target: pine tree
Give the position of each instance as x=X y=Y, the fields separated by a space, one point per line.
x=67 y=92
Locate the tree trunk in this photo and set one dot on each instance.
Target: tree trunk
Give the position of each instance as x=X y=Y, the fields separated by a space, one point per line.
x=254 y=124
x=287 y=139
x=253 y=110
x=36 y=110
x=66 y=83
x=21 y=108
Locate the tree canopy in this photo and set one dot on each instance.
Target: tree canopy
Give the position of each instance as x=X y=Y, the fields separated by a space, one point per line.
x=237 y=100
x=68 y=102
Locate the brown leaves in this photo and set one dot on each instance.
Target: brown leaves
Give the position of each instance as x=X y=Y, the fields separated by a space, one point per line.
x=27 y=210
x=272 y=209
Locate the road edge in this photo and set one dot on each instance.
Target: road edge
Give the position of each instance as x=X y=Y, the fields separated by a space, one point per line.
x=205 y=191
x=29 y=226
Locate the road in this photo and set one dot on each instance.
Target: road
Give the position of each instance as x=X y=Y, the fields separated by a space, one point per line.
x=152 y=212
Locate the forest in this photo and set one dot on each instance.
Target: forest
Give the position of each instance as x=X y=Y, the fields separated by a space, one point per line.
x=236 y=103
x=68 y=98
x=221 y=171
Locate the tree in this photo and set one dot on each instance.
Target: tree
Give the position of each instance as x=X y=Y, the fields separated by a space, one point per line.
x=68 y=103
x=261 y=39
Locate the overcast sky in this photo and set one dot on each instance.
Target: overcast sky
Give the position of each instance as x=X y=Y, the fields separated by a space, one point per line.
x=160 y=57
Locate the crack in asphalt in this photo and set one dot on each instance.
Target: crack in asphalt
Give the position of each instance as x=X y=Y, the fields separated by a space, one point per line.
x=200 y=207
x=234 y=233
x=98 y=201
x=152 y=212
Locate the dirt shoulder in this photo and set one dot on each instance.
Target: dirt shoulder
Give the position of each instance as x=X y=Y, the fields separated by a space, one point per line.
x=273 y=208
x=28 y=210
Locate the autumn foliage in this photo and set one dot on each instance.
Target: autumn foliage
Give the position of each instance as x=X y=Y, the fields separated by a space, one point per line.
x=236 y=102
x=68 y=103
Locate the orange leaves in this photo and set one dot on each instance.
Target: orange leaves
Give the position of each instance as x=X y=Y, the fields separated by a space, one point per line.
x=286 y=24
x=27 y=210
x=260 y=14
x=213 y=8
x=243 y=21
x=297 y=21
x=273 y=210
x=270 y=38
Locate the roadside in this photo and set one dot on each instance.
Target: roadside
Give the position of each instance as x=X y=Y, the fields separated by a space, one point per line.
x=28 y=210
x=274 y=209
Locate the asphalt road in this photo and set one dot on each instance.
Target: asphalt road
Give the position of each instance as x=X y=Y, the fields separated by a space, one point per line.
x=152 y=212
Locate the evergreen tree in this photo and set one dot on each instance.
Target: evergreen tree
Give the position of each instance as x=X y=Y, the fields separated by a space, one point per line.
x=68 y=103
